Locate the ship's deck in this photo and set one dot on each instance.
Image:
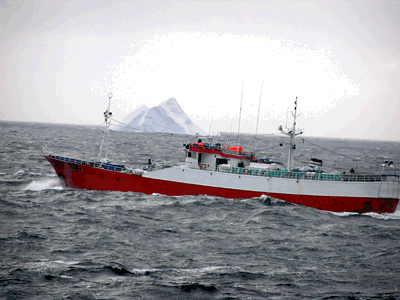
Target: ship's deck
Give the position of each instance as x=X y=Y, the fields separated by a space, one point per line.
x=358 y=177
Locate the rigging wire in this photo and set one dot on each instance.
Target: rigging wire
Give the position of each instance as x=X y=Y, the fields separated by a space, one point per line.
x=97 y=127
x=120 y=126
x=126 y=125
x=326 y=149
x=352 y=158
x=265 y=149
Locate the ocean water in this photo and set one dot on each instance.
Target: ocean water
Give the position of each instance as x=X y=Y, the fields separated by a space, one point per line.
x=61 y=243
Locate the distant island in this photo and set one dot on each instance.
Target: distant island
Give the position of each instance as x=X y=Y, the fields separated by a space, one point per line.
x=167 y=117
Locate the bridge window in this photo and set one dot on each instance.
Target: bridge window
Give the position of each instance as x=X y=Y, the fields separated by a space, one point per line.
x=191 y=154
x=221 y=161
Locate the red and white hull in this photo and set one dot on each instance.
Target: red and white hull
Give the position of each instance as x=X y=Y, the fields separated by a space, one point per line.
x=336 y=196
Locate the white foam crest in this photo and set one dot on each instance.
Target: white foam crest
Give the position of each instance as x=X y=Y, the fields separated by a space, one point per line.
x=272 y=199
x=344 y=214
x=210 y=269
x=143 y=271
x=49 y=263
x=385 y=216
x=44 y=184
x=36 y=174
x=66 y=262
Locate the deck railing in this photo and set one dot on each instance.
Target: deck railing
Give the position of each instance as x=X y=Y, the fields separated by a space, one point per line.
x=309 y=175
x=109 y=166
x=100 y=165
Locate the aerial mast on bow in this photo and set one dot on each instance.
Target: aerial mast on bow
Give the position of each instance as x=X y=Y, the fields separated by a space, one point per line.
x=104 y=142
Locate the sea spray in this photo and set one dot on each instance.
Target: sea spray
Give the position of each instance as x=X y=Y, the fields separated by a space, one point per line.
x=44 y=184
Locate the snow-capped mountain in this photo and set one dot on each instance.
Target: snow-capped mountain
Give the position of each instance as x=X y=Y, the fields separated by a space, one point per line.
x=167 y=117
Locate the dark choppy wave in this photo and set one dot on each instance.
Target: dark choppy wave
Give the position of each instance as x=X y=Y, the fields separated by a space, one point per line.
x=58 y=243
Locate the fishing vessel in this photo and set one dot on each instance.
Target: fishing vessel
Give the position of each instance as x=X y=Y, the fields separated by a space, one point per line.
x=232 y=172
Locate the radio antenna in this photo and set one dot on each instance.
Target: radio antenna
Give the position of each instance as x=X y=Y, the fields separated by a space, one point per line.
x=240 y=112
x=258 y=116
x=104 y=142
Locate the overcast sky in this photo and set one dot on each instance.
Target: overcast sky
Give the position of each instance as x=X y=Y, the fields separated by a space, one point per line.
x=59 y=60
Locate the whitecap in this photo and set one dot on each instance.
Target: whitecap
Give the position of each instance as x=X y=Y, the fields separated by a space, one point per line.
x=66 y=262
x=384 y=216
x=143 y=271
x=344 y=214
x=36 y=174
x=209 y=269
x=66 y=277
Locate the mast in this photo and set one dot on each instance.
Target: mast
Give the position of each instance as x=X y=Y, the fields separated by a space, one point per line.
x=292 y=134
x=258 y=116
x=104 y=142
x=240 y=112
